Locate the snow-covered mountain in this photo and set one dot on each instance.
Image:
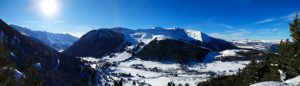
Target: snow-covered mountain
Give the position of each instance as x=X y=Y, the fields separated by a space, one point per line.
x=54 y=68
x=188 y=36
x=170 y=43
x=262 y=45
x=54 y=40
x=96 y=43
x=157 y=56
x=152 y=56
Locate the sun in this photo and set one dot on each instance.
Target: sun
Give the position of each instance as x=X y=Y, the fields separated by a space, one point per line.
x=49 y=7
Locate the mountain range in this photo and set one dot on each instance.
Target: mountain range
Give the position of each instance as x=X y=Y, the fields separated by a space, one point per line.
x=174 y=44
x=107 y=55
x=55 y=69
x=55 y=40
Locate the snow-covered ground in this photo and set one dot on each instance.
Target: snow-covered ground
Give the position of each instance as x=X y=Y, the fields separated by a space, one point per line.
x=232 y=52
x=160 y=73
x=18 y=74
x=270 y=83
x=264 y=45
x=290 y=82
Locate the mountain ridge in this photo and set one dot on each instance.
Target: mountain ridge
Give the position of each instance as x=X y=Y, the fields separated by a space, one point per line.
x=57 y=41
x=139 y=38
x=56 y=68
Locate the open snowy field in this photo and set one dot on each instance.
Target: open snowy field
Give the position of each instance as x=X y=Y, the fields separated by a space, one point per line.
x=160 y=73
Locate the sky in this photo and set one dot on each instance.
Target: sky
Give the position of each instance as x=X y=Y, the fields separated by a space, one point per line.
x=227 y=19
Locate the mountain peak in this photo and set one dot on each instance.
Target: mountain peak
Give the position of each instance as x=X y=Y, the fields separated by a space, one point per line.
x=102 y=41
x=55 y=40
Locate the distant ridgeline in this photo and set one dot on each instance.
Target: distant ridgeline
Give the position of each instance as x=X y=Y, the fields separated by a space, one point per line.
x=54 y=40
x=276 y=67
x=26 y=61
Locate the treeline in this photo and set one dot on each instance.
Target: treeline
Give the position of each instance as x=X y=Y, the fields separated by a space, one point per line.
x=280 y=66
x=10 y=76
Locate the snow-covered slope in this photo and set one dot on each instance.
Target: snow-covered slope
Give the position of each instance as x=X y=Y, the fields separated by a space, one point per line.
x=154 y=43
x=54 y=40
x=150 y=56
x=290 y=82
x=152 y=73
x=263 y=45
x=146 y=35
x=190 y=36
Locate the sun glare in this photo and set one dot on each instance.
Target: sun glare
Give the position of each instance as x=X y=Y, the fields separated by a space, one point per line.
x=49 y=7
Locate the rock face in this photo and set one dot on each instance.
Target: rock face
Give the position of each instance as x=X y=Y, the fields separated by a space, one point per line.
x=56 y=69
x=172 y=50
x=96 y=43
x=54 y=40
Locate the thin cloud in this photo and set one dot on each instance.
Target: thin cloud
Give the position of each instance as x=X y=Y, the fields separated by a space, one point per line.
x=213 y=24
x=240 y=34
x=226 y=26
x=264 y=21
x=290 y=16
x=268 y=31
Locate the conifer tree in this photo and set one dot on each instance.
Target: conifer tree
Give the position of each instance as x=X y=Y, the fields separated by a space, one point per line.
x=7 y=77
x=295 y=32
x=32 y=77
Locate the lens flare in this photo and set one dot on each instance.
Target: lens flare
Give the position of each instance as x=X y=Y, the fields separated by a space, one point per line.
x=49 y=7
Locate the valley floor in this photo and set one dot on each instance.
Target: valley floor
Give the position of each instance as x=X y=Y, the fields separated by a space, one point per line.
x=153 y=73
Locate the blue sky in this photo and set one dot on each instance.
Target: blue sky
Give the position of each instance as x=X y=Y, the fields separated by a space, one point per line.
x=229 y=19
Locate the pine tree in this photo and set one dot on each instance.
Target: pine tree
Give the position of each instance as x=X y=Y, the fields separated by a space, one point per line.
x=295 y=32
x=32 y=76
x=7 y=77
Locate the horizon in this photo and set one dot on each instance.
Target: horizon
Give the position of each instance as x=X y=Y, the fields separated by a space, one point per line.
x=230 y=20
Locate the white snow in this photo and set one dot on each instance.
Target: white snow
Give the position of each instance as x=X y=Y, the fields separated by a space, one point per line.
x=294 y=81
x=18 y=74
x=151 y=64
x=270 y=83
x=263 y=45
x=168 y=69
x=60 y=50
x=194 y=34
x=222 y=68
x=158 y=81
x=57 y=66
x=90 y=59
x=94 y=66
x=282 y=75
x=290 y=82
x=118 y=57
x=146 y=35
x=134 y=72
x=12 y=54
x=232 y=52
x=38 y=65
